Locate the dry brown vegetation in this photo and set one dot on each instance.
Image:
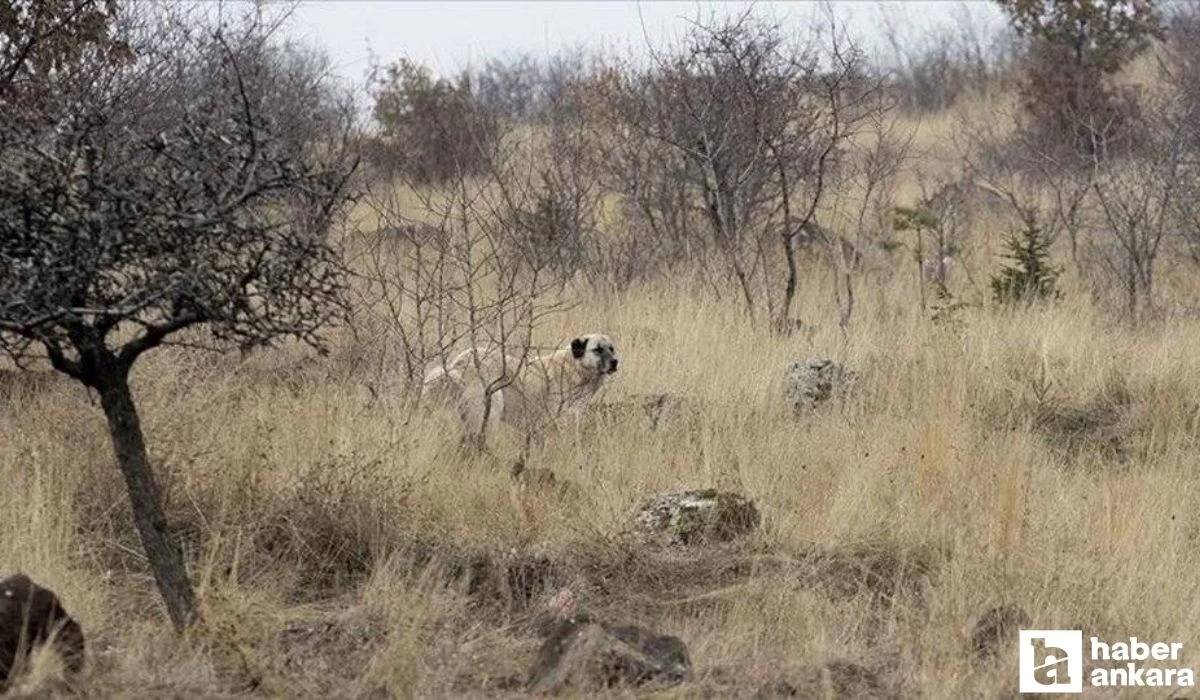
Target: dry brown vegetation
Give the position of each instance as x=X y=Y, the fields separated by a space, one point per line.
x=1040 y=458
x=343 y=545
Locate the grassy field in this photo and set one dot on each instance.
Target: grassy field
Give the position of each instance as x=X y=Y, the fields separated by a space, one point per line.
x=1042 y=458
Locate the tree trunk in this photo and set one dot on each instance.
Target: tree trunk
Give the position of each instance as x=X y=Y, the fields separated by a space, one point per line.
x=165 y=558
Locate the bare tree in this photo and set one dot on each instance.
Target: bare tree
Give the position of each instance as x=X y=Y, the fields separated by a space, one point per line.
x=40 y=37
x=934 y=66
x=1180 y=71
x=862 y=201
x=751 y=126
x=1136 y=199
x=464 y=268
x=423 y=121
x=1046 y=189
x=160 y=201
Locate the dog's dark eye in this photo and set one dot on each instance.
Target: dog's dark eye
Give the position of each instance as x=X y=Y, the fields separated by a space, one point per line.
x=598 y=351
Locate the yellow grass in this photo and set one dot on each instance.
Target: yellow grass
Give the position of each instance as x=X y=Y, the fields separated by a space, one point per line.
x=936 y=450
x=1044 y=458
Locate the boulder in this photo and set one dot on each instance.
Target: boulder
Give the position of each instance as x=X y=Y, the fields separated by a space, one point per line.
x=695 y=517
x=580 y=653
x=812 y=382
x=31 y=616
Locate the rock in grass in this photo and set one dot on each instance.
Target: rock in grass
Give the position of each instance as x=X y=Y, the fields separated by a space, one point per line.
x=695 y=517
x=582 y=654
x=812 y=382
x=31 y=616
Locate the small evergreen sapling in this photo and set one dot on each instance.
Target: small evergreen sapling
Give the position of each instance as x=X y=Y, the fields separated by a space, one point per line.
x=1032 y=276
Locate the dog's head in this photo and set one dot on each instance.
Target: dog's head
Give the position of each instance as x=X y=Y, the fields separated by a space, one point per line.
x=595 y=353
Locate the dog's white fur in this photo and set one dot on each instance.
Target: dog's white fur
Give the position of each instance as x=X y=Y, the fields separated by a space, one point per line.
x=533 y=393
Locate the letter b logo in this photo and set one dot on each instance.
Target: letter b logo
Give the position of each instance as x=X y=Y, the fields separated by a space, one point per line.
x=1051 y=661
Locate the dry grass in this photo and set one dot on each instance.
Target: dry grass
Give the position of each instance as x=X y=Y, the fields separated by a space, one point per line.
x=1043 y=459
x=341 y=552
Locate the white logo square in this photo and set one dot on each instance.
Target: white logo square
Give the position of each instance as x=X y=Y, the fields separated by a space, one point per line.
x=1051 y=661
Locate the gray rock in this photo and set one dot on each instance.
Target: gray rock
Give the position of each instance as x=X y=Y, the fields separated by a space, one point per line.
x=814 y=381
x=580 y=654
x=694 y=517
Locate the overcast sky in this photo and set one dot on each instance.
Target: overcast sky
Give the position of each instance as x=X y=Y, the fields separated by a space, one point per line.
x=450 y=35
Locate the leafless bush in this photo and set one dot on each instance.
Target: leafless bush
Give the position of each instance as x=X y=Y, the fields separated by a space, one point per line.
x=660 y=227
x=1044 y=189
x=934 y=67
x=457 y=269
x=1182 y=65
x=863 y=200
x=431 y=130
x=39 y=38
x=729 y=142
x=1180 y=71
x=560 y=222
x=523 y=88
x=511 y=87
x=1139 y=197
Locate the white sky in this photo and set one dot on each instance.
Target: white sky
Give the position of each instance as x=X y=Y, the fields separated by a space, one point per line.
x=452 y=34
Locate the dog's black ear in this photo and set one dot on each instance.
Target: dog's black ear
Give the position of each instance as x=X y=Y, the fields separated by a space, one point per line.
x=577 y=347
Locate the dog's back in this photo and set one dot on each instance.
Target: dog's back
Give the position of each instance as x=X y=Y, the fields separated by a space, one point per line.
x=533 y=393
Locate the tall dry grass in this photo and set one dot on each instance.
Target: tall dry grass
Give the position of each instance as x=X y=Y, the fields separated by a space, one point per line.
x=345 y=548
x=1042 y=458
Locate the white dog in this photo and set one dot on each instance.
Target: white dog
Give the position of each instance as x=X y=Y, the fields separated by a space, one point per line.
x=532 y=392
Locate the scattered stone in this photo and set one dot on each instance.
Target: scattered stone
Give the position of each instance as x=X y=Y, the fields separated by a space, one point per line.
x=694 y=517
x=31 y=616
x=814 y=381
x=995 y=628
x=581 y=654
